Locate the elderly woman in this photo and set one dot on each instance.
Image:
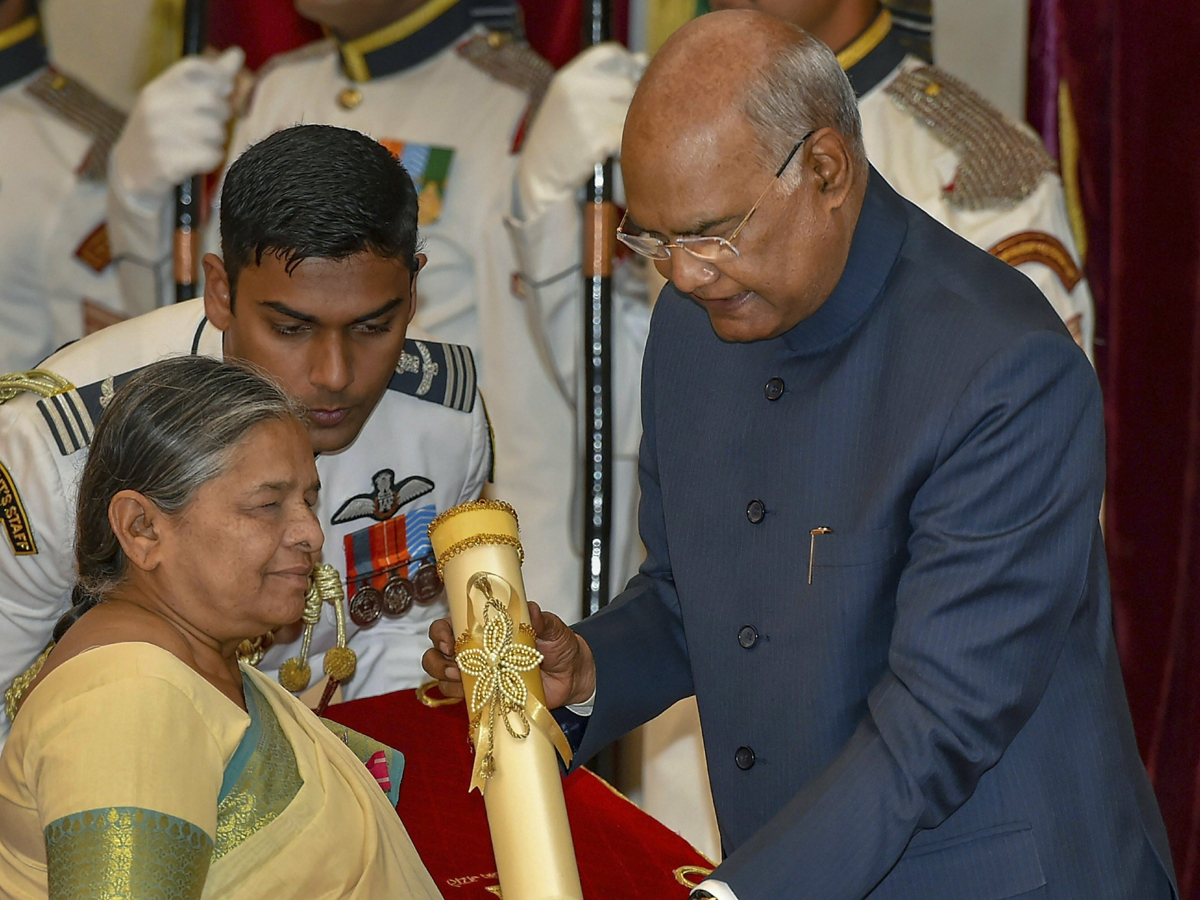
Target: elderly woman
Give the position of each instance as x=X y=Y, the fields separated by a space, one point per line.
x=145 y=761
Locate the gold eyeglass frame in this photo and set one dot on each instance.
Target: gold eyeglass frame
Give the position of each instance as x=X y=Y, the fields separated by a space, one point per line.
x=661 y=249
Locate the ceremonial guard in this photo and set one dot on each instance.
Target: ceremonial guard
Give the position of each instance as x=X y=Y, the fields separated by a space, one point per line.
x=57 y=278
x=451 y=88
x=982 y=175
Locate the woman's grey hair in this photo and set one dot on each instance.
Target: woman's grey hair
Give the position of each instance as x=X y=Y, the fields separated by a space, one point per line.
x=802 y=89
x=167 y=431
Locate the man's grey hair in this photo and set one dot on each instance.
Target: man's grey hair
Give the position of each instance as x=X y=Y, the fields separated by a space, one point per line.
x=802 y=89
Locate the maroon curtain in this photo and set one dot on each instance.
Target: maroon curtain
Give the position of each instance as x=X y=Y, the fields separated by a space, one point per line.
x=265 y=27
x=555 y=27
x=1134 y=83
x=260 y=27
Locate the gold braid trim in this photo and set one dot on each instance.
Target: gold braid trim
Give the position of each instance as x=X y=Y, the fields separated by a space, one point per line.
x=473 y=506
x=478 y=540
x=15 y=695
x=35 y=381
x=1040 y=247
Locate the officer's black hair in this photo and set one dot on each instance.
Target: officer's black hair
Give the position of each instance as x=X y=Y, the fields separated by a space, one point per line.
x=316 y=192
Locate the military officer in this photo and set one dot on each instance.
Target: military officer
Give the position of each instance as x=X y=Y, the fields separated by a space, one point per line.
x=316 y=285
x=451 y=89
x=57 y=280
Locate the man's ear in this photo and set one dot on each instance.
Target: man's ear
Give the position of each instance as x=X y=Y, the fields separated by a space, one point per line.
x=137 y=524
x=831 y=161
x=412 y=307
x=218 y=298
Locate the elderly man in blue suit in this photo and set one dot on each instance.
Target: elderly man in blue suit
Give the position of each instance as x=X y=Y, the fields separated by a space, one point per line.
x=871 y=471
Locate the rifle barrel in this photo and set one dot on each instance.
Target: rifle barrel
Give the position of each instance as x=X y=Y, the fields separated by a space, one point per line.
x=188 y=195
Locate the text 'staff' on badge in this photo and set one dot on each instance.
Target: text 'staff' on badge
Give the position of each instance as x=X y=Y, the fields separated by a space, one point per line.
x=16 y=523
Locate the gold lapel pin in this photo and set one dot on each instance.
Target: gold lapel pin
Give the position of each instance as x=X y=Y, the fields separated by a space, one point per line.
x=812 y=547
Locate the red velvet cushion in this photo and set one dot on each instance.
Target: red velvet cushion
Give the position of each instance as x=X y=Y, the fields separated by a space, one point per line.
x=622 y=852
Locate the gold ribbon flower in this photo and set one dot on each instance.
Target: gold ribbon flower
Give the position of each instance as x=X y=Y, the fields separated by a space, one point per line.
x=499 y=661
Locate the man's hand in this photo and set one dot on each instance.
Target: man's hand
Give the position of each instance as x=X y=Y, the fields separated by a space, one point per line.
x=578 y=125
x=177 y=128
x=568 y=670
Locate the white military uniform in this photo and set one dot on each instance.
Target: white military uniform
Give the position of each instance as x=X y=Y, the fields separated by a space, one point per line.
x=452 y=99
x=425 y=448
x=55 y=266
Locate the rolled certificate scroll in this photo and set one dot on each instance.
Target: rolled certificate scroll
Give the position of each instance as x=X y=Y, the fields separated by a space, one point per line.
x=479 y=557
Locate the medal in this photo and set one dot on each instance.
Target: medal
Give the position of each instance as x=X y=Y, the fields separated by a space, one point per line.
x=398 y=596
x=427 y=584
x=367 y=606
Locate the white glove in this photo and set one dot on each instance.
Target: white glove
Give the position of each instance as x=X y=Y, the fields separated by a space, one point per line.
x=177 y=128
x=579 y=124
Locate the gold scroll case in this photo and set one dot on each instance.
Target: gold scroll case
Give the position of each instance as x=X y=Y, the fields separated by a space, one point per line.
x=479 y=555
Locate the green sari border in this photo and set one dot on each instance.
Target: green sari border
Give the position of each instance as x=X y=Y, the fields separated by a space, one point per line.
x=123 y=852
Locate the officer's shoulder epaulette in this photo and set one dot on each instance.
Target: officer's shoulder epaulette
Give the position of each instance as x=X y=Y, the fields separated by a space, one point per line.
x=439 y=373
x=72 y=413
x=86 y=111
x=999 y=163
x=511 y=61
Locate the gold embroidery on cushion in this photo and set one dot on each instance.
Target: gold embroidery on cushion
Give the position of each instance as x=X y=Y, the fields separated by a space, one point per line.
x=264 y=789
x=125 y=851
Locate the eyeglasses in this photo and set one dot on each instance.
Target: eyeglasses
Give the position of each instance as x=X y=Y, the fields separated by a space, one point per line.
x=707 y=248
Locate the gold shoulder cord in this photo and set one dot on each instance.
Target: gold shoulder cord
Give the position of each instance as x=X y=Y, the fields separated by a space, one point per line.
x=15 y=695
x=35 y=381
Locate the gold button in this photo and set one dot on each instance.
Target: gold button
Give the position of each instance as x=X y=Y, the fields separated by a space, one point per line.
x=58 y=82
x=933 y=89
x=349 y=98
x=496 y=39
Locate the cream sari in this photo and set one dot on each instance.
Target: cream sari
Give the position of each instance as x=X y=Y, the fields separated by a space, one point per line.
x=128 y=775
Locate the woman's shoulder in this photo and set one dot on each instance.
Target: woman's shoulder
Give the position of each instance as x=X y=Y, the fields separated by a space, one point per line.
x=113 y=623
x=131 y=656
x=110 y=692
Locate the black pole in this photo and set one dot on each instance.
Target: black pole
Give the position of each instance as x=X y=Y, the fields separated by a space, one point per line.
x=188 y=194
x=600 y=226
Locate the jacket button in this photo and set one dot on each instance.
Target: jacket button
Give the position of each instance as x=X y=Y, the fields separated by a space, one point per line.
x=773 y=388
x=743 y=757
x=747 y=636
x=755 y=511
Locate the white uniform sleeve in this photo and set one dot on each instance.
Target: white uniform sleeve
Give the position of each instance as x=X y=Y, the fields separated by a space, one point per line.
x=140 y=238
x=35 y=588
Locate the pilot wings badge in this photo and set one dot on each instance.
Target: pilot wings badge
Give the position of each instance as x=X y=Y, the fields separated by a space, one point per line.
x=384 y=500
